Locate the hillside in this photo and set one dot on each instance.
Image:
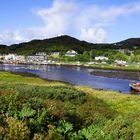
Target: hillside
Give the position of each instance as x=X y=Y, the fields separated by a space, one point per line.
x=3 y=48
x=63 y=44
x=135 y=42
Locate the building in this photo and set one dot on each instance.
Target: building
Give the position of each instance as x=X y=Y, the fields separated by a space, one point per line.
x=20 y=59
x=101 y=58
x=121 y=63
x=71 y=53
x=55 y=54
x=125 y=51
x=38 y=57
x=10 y=57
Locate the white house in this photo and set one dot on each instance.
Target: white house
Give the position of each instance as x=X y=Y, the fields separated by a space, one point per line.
x=10 y=57
x=38 y=57
x=71 y=53
x=20 y=58
x=121 y=62
x=101 y=58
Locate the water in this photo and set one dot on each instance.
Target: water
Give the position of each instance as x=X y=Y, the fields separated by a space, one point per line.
x=73 y=75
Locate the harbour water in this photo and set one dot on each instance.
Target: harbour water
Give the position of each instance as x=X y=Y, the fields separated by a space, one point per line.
x=74 y=75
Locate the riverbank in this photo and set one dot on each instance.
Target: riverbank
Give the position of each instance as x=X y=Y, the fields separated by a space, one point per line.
x=35 y=108
x=129 y=72
x=74 y=75
x=131 y=67
x=129 y=75
x=102 y=67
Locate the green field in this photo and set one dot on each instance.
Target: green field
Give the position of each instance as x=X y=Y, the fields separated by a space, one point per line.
x=130 y=67
x=34 y=108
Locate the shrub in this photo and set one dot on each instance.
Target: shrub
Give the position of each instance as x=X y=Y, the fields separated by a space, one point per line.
x=17 y=130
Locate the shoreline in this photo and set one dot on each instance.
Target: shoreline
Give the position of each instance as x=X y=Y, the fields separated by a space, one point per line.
x=117 y=74
x=98 y=71
x=67 y=83
x=101 y=67
x=27 y=74
x=63 y=82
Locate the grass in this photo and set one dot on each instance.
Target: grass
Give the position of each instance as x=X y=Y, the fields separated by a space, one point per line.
x=130 y=67
x=34 y=108
x=22 y=78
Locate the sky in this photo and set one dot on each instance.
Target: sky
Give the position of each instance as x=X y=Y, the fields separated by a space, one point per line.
x=96 y=21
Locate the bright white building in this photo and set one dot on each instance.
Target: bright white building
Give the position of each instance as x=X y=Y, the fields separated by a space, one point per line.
x=20 y=58
x=10 y=57
x=101 y=58
x=71 y=53
x=38 y=57
x=121 y=62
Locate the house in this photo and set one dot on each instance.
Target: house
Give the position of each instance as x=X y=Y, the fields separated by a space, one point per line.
x=71 y=53
x=120 y=62
x=20 y=59
x=41 y=56
x=55 y=54
x=38 y=57
x=125 y=51
x=101 y=58
x=10 y=57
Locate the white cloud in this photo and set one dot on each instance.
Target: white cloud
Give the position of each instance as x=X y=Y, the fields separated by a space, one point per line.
x=87 y=22
x=104 y=16
x=93 y=35
x=57 y=19
x=10 y=37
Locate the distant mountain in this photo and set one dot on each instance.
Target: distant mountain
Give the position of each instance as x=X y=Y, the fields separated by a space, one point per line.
x=3 y=48
x=129 y=43
x=63 y=44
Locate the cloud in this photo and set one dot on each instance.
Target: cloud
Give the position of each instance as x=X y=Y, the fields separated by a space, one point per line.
x=10 y=37
x=104 y=16
x=93 y=35
x=86 y=22
x=57 y=19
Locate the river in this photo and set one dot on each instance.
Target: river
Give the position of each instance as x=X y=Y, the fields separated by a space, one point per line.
x=73 y=75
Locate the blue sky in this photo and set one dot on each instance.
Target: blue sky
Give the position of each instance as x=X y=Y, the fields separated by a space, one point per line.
x=96 y=21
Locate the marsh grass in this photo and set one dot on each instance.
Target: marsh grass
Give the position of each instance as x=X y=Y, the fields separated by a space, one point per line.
x=33 y=108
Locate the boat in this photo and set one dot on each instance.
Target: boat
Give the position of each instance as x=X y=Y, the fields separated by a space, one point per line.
x=135 y=86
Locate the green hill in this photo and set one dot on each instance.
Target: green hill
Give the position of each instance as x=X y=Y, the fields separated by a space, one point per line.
x=65 y=43
x=3 y=48
x=131 y=42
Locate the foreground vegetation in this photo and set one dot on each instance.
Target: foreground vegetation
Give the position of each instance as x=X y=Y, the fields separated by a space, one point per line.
x=33 y=108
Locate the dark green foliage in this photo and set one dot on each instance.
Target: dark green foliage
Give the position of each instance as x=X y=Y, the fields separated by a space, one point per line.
x=63 y=44
x=60 y=113
x=3 y=49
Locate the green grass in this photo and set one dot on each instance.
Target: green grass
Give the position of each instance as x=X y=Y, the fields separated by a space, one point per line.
x=130 y=67
x=34 y=108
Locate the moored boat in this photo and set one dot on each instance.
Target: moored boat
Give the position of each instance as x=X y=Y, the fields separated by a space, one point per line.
x=135 y=86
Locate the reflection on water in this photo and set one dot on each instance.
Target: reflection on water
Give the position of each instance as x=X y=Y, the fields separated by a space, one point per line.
x=74 y=75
